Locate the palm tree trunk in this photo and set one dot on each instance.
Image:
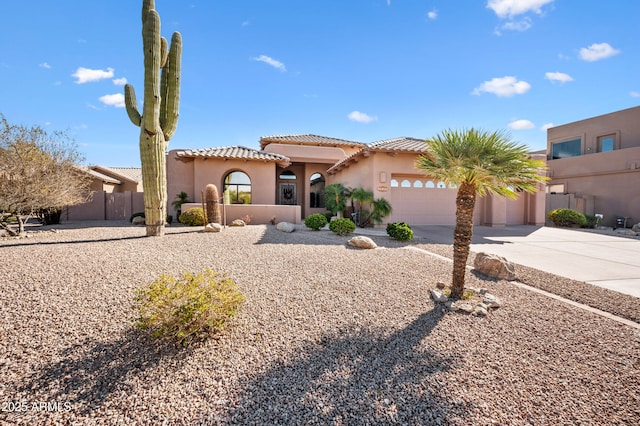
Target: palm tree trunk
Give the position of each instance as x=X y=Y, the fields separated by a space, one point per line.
x=465 y=202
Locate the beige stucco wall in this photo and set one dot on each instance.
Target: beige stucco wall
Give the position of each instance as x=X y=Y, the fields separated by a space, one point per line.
x=260 y=214
x=603 y=182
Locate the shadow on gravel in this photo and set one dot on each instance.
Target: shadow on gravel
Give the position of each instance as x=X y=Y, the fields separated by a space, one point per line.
x=355 y=377
x=88 y=373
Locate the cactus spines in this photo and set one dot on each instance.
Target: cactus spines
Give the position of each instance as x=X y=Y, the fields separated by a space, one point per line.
x=159 y=117
x=213 y=204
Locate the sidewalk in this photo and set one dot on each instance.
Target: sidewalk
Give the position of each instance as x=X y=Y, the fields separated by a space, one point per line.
x=604 y=260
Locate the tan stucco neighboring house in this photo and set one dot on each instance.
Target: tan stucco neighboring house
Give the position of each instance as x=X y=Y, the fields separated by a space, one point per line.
x=116 y=179
x=594 y=166
x=286 y=177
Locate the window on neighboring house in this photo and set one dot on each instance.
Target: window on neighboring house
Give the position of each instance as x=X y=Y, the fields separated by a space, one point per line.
x=237 y=188
x=606 y=143
x=566 y=149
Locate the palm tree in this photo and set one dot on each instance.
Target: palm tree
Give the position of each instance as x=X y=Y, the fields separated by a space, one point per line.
x=362 y=196
x=479 y=163
x=181 y=198
x=335 y=196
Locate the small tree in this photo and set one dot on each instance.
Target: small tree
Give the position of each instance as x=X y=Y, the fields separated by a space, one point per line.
x=39 y=172
x=335 y=196
x=181 y=199
x=479 y=163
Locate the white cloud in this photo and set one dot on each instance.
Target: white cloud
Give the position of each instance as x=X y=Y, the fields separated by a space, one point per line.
x=120 y=81
x=503 y=87
x=597 y=51
x=388 y=2
x=522 y=25
x=86 y=75
x=558 y=76
x=634 y=94
x=521 y=125
x=270 y=61
x=546 y=126
x=361 y=117
x=511 y=8
x=116 y=100
x=433 y=15
x=45 y=65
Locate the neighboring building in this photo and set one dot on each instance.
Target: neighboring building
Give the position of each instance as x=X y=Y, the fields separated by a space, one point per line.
x=116 y=179
x=116 y=193
x=286 y=177
x=594 y=166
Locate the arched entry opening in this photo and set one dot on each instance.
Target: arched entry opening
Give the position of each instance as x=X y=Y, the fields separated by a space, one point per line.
x=316 y=191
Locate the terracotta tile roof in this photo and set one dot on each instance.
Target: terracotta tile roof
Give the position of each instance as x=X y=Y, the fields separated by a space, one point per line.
x=399 y=145
x=306 y=139
x=101 y=177
x=133 y=173
x=234 y=152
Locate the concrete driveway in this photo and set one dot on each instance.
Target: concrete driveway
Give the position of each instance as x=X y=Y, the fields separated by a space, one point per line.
x=607 y=261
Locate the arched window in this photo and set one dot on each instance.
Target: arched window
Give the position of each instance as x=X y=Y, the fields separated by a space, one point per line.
x=442 y=185
x=452 y=186
x=430 y=184
x=417 y=184
x=237 y=188
x=316 y=190
x=394 y=183
x=288 y=175
x=406 y=183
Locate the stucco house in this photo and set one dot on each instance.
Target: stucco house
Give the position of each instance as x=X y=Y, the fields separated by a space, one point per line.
x=285 y=179
x=594 y=166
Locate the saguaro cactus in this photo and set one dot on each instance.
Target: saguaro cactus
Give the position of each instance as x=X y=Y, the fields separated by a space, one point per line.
x=213 y=203
x=159 y=117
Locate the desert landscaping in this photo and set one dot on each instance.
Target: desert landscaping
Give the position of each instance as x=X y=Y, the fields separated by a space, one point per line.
x=329 y=334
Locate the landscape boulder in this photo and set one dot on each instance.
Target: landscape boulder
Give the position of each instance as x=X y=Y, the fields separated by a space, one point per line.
x=286 y=227
x=213 y=227
x=138 y=220
x=494 y=266
x=361 y=241
x=238 y=222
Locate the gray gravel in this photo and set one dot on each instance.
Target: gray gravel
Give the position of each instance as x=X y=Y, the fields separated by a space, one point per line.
x=329 y=335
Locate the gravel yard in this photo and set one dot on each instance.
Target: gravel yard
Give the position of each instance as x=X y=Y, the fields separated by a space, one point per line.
x=328 y=335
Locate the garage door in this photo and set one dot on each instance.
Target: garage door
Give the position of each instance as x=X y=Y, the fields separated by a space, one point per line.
x=420 y=201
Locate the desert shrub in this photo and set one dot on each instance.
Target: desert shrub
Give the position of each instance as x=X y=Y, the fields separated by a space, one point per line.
x=315 y=221
x=591 y=221
x=192 y=217
x=400 y=231
x=169 y=219
x=328 y=215
x=138 y=214
x=342 y=226
x=566 y=217
x=188 y=308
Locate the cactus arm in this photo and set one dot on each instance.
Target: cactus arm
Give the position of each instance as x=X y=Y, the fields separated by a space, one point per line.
x=164 y=51
x=151 y=41
x=147 y=5
x=171 y=88
x=132 y=105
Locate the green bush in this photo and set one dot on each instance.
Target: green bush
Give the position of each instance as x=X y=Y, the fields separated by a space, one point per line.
x=315 y=221
x=169 y=219
x=400 y=231
x=342 y=226
x=328 y=216
x=188 y=308
x=192 y=217
x=591 y=221
x=566 y=217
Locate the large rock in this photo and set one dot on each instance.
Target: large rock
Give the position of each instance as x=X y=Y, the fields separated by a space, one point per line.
x=494 y=266
x=138 y=220
x=361 y=241
x=286 y=227
x=213 y=227
x=636 y=227
x=238 y=222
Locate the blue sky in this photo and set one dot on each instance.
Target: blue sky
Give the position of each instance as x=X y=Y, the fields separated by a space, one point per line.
x=361 y=70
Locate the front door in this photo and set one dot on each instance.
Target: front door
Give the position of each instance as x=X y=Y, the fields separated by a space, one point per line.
x=288 y=194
